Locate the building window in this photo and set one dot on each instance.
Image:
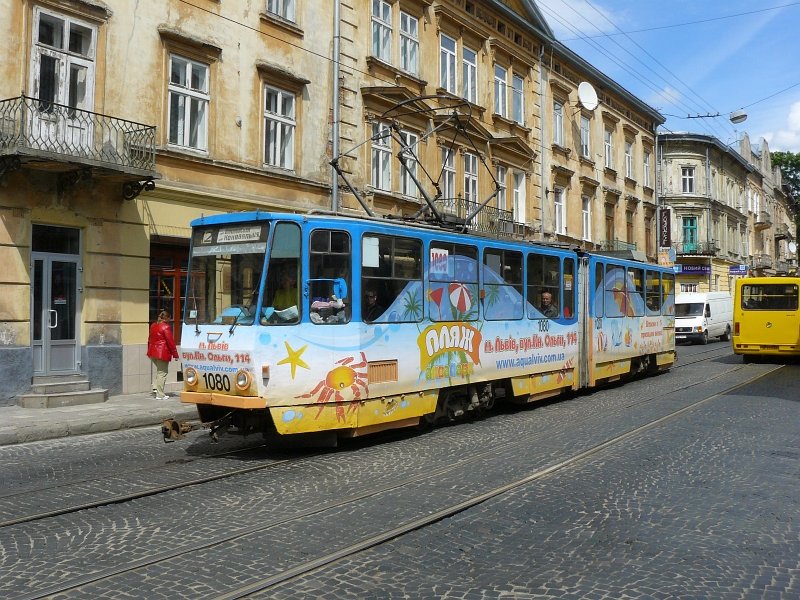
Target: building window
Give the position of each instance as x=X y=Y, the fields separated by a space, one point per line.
x=188 y=103
x=282 y=8
x=407 y=185
x=687 y=180
x=561 y=222
x=470 y=177
x=469 y=68
x=500 y=91
x=689 y=234
x=647 y=180
x=448 y=173
x=501 y=187
x=279 y=127
x=381 y=156
x=381 y=30
x=585 y=147
x=62 y=62
x=447 y=63
x=629 y=160
x=688 y=288
x=409 y=42
x=586 y=202
x=518 y=100
x=519 y=197
x=629 y=226
x=608 y=142
x=558 y=123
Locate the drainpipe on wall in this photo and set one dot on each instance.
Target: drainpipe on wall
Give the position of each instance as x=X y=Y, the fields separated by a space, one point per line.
x=708 y=225
x=335 y=101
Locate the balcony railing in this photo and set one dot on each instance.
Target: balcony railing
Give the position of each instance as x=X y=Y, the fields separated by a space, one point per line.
x=58 y=132
x=709 y=248
x=763 y=219
x=762 y=261
x=491 y=221
x=616 y=246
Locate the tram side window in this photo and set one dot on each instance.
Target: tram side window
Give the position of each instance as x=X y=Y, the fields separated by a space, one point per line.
x=544 y=286
x=329 y=265
x=599 y=291
x=502 y=284
x=569 y=288
x=636 y=292
x=668 y=294
x=652 y=292
x=391 y=271
x=615 y=287
x=453 y=282
x=282 y=305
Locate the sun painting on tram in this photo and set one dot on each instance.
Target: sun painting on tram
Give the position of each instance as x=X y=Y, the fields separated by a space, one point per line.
x=344 y=383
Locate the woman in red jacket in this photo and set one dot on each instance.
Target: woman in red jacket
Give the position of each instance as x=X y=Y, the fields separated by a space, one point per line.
x=161 y=349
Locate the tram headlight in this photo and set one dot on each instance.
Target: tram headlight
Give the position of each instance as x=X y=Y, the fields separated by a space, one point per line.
x=242 y=380
x=190 y=377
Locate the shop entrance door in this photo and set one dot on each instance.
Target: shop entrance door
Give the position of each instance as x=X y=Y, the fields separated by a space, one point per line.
x=55 y=308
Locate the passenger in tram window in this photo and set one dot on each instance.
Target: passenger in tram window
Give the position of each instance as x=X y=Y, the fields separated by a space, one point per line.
x=372 y=310
x=547 y=308
x=286 y=295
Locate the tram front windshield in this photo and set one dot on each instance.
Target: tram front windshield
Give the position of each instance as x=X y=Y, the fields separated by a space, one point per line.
x=225 y=274
x=692 y=309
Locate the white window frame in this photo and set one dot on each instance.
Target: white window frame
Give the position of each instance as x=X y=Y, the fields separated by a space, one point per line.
x=381 y=153
x=382 y=30
x=646 y=160
x=470 y=177
x=501 y=91
x=586 y=202
x=519 y=197
x=687 y=180
x=518 y=98
x=608 y=144
x=407 y=185
x=279 y=128
x=282 y=8
x=559 y=209
x=629 y=159
x=469 y=74
x=501 y=173
x=201 y=96
x=409 y=42
x=64 y=59
x=558 y=123
x=448 y=173
x=447 y=63
x=586 y=137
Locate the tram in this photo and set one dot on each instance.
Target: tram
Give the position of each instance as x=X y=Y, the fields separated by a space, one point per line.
x=336 y=326
x=766 y=317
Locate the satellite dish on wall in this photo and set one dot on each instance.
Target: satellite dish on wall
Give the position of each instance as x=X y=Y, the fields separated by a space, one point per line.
x=587 y=96
x=792 y=247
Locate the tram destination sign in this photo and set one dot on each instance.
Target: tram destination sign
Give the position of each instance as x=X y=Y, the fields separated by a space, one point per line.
x=231 y=239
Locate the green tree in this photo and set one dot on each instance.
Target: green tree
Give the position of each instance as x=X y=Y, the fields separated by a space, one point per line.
x=789 y=162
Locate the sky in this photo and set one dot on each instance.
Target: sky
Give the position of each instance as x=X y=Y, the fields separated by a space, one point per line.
x=696 y=57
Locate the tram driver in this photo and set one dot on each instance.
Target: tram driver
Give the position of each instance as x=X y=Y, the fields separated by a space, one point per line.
x=547 y=308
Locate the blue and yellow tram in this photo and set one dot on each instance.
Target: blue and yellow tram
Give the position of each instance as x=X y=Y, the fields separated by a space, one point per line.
x=299 y=324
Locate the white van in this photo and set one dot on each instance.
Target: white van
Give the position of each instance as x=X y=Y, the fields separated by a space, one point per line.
x=699 y=316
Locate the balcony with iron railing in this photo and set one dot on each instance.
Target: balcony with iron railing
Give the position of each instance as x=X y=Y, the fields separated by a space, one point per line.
x=616 y=245
x=490 y=220
x=782 y=232
x=61 y=138
x=763 y=219
x=709 y=248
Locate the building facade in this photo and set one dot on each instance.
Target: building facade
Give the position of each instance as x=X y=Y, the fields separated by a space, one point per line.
x=727 y=209
x=120 y=124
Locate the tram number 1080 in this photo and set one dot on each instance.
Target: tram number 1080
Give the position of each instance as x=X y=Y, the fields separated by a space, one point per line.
x=215 y=381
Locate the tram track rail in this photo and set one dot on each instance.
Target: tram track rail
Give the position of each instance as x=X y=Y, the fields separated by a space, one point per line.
x=300 y=569
x=160 y=489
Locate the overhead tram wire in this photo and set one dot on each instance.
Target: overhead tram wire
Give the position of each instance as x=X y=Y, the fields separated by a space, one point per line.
x=637 y=75
x=732 y=16
x=660 y=64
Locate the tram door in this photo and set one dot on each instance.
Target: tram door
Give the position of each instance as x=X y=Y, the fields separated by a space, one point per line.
x=55 y=302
